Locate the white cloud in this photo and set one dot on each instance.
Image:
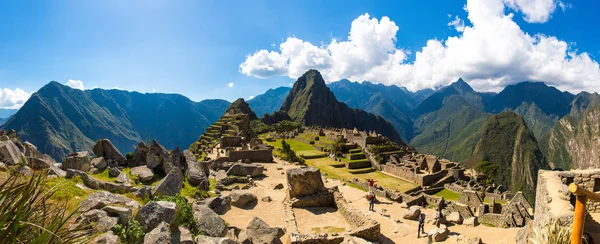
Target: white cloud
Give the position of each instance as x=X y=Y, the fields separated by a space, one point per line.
x=13 y=99
x=118 y=88
x=458 y=24
x=230 y=85
x=76 y=84
x=491 y=52
x=250 y=98
x=564 y=6
x=153 y=90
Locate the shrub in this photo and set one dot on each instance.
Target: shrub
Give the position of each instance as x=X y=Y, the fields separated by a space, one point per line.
x=185 y=215
x=488 y=168
x=132 y=233
x=259 y=127
x=129 y=156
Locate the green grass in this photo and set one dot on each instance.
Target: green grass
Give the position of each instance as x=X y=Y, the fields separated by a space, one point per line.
x=66 y=189
x=355 y=150
x=448 y=195
x=361 y=171
x=327 y=229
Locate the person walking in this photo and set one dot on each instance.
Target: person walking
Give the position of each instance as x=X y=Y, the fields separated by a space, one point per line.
x=371 y=202
x=421 y=225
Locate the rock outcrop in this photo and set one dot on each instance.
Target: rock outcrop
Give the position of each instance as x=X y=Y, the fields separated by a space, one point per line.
x=104 y=148
x=157 y=154
x=10 y=153
x=219 y=204
x=78 y=161
x=260 y=232
x=139 y=155
x=153 y=213
x=170 y=185
x=143 y=173
x=195 y=172
x=241 y=198
x=209 y=222
x=244 y=169
x=304 y=181
x=160 y=234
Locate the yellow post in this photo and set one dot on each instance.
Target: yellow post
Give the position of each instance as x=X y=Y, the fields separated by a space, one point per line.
x=578 y=220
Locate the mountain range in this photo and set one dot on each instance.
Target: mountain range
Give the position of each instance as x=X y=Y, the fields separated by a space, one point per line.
x=60 y=120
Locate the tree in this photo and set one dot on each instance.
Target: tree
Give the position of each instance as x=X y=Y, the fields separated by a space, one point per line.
x=488 y=168
x=286 y=125
x=259 y=127
x=289 y=154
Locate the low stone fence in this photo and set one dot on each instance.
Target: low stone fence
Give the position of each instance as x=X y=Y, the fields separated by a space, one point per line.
x=490 y=219
x=261 y=155
x=231 y=179
x=433 y=200
x=454 y=187
x=96 y=184
x=409 y=174
x=320 y=199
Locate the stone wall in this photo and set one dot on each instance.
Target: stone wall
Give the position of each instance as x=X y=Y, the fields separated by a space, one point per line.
x=433 y=200
x=262 y=155
x=454 y=187
x=409 y=174
x=231 y=141
x=320 y=199
x=491 y=219
x=462 y=209
x=364 y=227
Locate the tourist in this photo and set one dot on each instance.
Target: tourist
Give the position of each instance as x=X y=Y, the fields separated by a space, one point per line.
x=371 y=184
x=436 y=218
x=371 y=201
x=421 y=225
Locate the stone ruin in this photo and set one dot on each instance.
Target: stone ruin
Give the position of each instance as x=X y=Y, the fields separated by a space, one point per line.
x=516 y=213
x=305 y=190
x=554 y=202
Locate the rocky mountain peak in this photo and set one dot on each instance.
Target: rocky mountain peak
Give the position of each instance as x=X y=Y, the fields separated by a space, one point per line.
x=241 y=106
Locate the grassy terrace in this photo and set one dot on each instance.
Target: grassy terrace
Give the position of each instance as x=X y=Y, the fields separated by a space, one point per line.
x=448 y=195
x=327 y=165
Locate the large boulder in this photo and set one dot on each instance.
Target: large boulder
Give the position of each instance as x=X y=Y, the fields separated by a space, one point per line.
x=348 y=239
x=213 y=240
x=78 y=161
x=31 y=151
x=438 y=234
x=10 y=153
x=153 y=213
x=107 y=238
x=122 y=178
x=174 y=160
x=472 y=221
x=139 y=155
x=98 y=200
x=157 y=154
x=124 y=214
x=209 y=222
x=104 y=148
x=160 y=234
x=241 y=198
x=260 y=232
x=219 y=204
x=113 y=171
x=143 y=173
x=99 y=163
x=195 y=171
x=243 y=169
x=455 y=218
x=304 y=181
x=412 y=213
x=97 y=219
x=170 y=185
x=39 y=163
x=23 y=170
x=182 y=236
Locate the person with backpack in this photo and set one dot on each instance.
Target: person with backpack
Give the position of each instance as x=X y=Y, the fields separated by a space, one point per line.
x=421 y=228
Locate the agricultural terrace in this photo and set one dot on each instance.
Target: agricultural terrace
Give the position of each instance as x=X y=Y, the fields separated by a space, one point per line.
x=329 y=166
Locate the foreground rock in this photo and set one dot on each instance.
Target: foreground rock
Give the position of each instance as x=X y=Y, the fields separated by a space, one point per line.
x=438 y=235
x=156 y=155
x=304 y=181
x=31 y=151
x=98 y=200
x=220 y=204
x=455 y=218
x=143 y=173
x=412 y=213
x=153 y=213
x=241 y=198
x=99 y=163
x=209 y=222
x=139 y=155
x=97 y=219
x=107 y=238
x=472 y=221
x=124 y=214
x=348 y=239
x=160 y=234
x=170 y=185
x=104 y=148
x=182 y=236
x=195 y=171
x=243 y=169
x=78 y=161
x=260 y=232
x=9 y=153
x=213 y=240
x=39 y=163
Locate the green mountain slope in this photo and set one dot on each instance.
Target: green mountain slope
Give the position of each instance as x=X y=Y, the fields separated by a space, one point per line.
x=537 y=121
x=436 y=100
x=311 y=102
x=573 y=142
x=60 y=120
x=549 y=99
x=507 y=142
x=452 y=131
x=270 y=101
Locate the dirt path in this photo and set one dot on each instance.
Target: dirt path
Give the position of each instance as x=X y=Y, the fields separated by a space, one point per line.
x=394 y=228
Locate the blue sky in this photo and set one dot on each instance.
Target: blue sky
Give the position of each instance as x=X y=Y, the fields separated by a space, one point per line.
x=195 y=48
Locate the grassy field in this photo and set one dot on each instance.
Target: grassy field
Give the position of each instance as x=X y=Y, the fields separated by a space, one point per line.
x=448 y=195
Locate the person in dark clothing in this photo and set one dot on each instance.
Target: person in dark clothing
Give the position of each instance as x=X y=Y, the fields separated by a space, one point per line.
x=421 y=225
x=371 y=202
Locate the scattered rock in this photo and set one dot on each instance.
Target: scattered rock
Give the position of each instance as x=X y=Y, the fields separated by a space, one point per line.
x=156 y=155
x=472 y=221
x=98 y=200
x=348 y=239
x=122 y=178
x=3 y=167
x=182 y=236
x=412 y=213
x=153 y=213
x=54 y=170
x=474 y=240
x=139 y=155
x=31 y=151
x=260 y=232
x=144 y=174
x=221 y=174
x=160 y=234
x=143 y=192
x=213 y=240
x=220 y=204
x=209 y=222
x=279 y=168
x=107 y=238
x=438 y=234
x=455 y=218
x=78 y=161
x=195 y=171
x=97 y=219
x=170 y=185
x=278 y=186
x=10 y=153
x=244 y=169
x=124 y=214
x=266 y=199
x=99 y=163
x=113 y=172
x=23 y=171
x=94 y=171
x=241 y=198
x=304 y=181
x=104 y=148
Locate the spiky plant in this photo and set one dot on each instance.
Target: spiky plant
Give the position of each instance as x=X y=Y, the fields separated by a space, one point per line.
x=557 y=234
x=29 y=215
